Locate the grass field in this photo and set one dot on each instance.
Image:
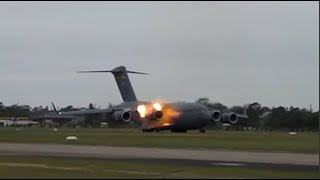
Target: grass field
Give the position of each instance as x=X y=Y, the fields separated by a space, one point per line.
x=252 y=141
x=45 y=167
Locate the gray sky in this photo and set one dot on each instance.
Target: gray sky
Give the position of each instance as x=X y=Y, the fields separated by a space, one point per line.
x=231 y=52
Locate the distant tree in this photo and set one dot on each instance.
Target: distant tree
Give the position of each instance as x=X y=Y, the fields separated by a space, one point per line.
x=218 y=106
x=38 y=110
x=1 y=109
x=68 y=108
x=46 y=109
x=17 y=110
x=312 y=122
x=112 y=105
x=206 y=102
x=254 y=112
x=91 y=106
x=237 y=109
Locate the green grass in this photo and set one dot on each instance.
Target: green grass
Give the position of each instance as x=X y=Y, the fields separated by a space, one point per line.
x=250 y=141
x=46 y=167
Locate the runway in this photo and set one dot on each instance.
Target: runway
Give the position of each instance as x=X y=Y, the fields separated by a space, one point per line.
x=195 y=157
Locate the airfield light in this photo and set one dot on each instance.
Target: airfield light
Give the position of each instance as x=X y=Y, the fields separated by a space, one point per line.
x=157 y=106
x=142 y=110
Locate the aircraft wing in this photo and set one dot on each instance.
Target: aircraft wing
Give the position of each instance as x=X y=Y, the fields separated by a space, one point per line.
x=53 y=115
x=92 y=111
x=76 y=114
x=242 y=116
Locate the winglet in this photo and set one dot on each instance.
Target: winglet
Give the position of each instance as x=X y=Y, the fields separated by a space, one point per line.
x=245 y=108
x=55 y=110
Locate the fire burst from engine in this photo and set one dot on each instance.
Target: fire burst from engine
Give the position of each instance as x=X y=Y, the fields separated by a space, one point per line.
x=169 y=113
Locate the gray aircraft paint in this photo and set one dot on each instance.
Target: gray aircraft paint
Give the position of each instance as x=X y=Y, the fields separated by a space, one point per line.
x=192 y=115
x=189 y=115
x=121 y=76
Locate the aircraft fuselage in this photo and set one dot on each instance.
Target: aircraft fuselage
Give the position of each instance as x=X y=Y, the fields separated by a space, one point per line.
x=177 y=116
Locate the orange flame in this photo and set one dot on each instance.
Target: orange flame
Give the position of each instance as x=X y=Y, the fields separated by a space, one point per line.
x=157 y=106
x=169 y=114
x=142 y=110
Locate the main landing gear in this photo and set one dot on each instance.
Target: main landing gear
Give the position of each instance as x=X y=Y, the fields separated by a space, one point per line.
x=179 y=130
x=202 y=130
x=147 y=130
x=151 y=130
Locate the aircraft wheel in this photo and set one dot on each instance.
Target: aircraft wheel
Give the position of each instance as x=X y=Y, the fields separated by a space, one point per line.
x=148 y=130
x=179 y=131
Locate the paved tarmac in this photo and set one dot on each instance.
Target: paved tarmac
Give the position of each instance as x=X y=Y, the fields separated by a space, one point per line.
x=271 y=160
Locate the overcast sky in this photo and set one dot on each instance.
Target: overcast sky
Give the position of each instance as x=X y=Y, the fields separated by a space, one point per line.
x=231 y=52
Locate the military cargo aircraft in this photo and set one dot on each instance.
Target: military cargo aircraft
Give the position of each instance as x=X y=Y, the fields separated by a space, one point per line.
x=156 y=116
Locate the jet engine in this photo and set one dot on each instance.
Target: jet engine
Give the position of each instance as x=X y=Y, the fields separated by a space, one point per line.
x=150 y=113
x=155 y=115
x=124 y=116
x=229 y=118
x=215 y=115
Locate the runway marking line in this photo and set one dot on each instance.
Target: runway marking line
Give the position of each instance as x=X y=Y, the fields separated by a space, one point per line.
x=39 y=166
x=132 y=172
x=227 y=164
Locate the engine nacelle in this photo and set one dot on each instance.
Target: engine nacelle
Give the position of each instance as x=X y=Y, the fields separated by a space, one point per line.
x=155 y=115
x=124 y=116
x=229 y=118
x=215 y=115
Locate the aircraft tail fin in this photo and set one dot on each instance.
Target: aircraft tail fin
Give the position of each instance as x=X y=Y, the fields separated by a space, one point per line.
x=121 y=76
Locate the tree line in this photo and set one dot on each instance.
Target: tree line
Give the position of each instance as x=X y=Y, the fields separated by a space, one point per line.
x=259 y=117
x=268 y=119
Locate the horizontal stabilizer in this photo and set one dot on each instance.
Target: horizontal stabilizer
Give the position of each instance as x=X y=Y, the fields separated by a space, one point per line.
x=120 y=69
x=93 y=71
x=134 y=72
x=121 y=76
x=113 y=71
